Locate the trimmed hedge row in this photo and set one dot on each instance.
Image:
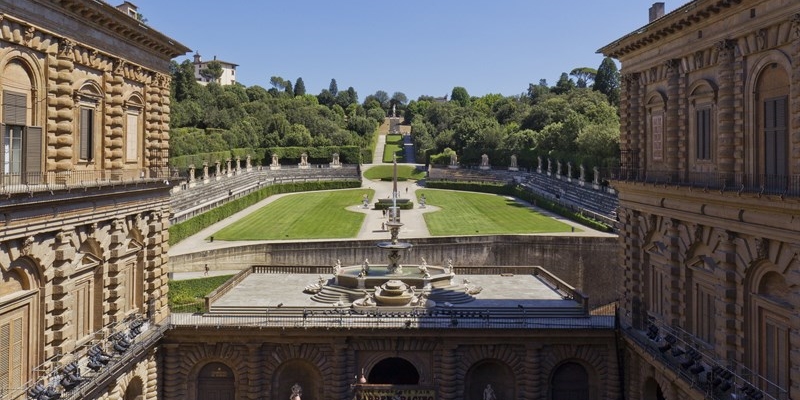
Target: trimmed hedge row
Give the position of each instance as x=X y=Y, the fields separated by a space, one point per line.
x=519 y=192
x=190 y=227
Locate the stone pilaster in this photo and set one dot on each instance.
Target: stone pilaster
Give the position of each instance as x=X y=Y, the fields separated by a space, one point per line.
x=341 y=374
x=254 y=383
x=115 y=117
x=448 y=379
x=153 y=129
x=151 y=385
x=115 y=283
x=155 y=257
x=60 y=108
x=59 y=329
x=532 y=385
x=671 y=116
x=676 y=308
x=683 y=128
x=632 y=308
x=174 y=384
x=728 y=304
x=725 y=108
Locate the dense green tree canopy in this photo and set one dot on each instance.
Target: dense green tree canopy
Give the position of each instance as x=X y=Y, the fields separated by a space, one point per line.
x=607 y=80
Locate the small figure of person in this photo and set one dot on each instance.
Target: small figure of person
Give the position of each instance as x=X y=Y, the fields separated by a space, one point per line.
x=206 y=270
x=383 y=226
x=488 y=393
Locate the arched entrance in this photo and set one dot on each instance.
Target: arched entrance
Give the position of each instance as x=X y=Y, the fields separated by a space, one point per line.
x=135 y=389
x=570 y=381
x=216 y=382
x=652 y=391
x=297 y=373
x=394 y=371
x=489 y=377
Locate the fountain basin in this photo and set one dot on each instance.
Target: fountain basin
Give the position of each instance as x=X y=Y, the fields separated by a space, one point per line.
x=379 y=275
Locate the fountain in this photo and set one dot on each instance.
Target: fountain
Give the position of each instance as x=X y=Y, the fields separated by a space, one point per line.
x=368 y=285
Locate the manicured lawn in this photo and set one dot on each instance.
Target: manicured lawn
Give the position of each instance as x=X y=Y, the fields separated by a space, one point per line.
x=403 y=172
x=316 y=215
x=467 y=213
x=394 y=145
x=187 y=295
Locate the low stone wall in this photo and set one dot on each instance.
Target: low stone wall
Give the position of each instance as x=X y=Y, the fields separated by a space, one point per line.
x=589 y=264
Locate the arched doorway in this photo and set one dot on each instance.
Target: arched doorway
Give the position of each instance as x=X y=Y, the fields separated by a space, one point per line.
x=216 y=382
x=394 y=371
x=570 y=381
x=652 y=391
x=135 y=389
x=300 y=373
x=489 y=376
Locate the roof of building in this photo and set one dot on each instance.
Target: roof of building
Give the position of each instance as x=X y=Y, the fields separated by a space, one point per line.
x=679 y=19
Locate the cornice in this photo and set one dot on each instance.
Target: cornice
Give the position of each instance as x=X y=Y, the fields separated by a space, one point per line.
x=684 y=17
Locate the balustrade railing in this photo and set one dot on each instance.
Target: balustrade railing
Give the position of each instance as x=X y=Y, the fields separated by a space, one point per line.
x=780 y=185
x=49 y=181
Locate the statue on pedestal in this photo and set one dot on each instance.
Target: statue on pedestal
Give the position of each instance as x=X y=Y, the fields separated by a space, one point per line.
x=297 y=391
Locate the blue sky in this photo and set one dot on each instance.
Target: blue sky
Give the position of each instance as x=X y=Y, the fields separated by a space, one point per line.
x=416 y=47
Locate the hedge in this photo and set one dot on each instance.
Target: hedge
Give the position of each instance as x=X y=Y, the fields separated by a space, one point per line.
x=520 y=193
x=190 y=227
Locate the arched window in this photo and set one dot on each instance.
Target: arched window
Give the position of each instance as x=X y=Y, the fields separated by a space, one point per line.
x=702 y=122
x=18 y=328
x=772 y=121
x=570 y=381
x=133 y=124
x=489 y=375
x=20 y=143
x=89 y=98
x=301 y=374
x=770 y=313
x=656 y=111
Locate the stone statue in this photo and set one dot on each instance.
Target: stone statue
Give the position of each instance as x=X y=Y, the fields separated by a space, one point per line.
x=449 y=266
x=549 y=166
x=454 y=159
x=365 y=265
x=335 y=159
x=583 y=173
x=303 y=161
x=369 y=299
x=238 y=164
x=297 y=391
x=558 y=168
x=191 y=173
x=248 y=162
x=484 y=160
x=513 y=166
x=321 y=281
x=539 y=168
x=205 y=170
x=275 y=164
x=337 y=267
x=424 y=263
x=488 y=393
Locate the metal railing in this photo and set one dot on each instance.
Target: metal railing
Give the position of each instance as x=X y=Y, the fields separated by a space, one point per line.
x=687 y=357
x=780 y=185
x=50 y=181
x=461 y=318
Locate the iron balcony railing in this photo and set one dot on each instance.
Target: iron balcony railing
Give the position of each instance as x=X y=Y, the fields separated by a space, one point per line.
x=50 y=181
x=779 y=185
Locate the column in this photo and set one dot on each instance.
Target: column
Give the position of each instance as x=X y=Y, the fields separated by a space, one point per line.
x=532 y=381
x=447 y=379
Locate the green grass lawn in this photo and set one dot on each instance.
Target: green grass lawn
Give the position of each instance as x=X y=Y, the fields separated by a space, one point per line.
x=392 y=149
x=406 y=172
x=187 y=295
x=313 y=215
x=468 y=213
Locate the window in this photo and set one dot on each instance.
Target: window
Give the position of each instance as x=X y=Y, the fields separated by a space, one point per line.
x=13 y=360
x=775 y=138
x=84 y=308
x=657 y=127
x=12 y=150
x=703 y=132
x=655 y=293
x=704 y=313
x=21 y=154
x=132 y=137
x=86 y=133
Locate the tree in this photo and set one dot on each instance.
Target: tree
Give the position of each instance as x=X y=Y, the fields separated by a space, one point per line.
x=333 y=88
x=183 y=83
x=584 y=75
x=460 y=96
x=277 y=83
x=299 y=87
x=538 y=92
x=288 y=88
x=382 y=98
x=564 y=84
x=607 y=80
x=399 y=98
x=212 y=71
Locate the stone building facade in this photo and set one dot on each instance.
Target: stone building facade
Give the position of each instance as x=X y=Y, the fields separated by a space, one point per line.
x=84 y=120
x=709 y=194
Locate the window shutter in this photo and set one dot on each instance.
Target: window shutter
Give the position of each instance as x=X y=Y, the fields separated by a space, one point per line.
x=2 y=146
x=16 y=352
x=5 y=355
x=15 y=107
x=780 y=113
x=86 y=134
x=33 y=154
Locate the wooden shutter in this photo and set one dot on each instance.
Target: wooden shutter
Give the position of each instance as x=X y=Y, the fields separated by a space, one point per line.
x=781 y=142
x=2 y=146
x=86 y=133
x=33 y=154
x=15 y=107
